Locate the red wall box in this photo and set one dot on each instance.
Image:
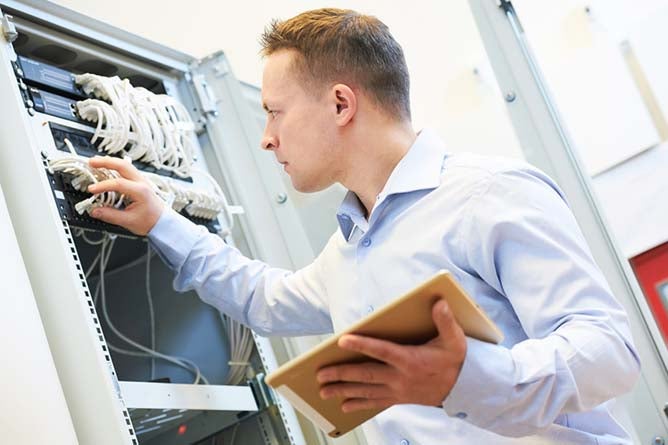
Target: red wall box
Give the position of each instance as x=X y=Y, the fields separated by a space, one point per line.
x=651 y=269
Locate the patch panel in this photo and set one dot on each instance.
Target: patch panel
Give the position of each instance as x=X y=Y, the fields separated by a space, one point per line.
x=81 y=140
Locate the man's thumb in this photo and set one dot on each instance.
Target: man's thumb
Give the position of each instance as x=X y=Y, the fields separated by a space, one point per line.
x=444 y=319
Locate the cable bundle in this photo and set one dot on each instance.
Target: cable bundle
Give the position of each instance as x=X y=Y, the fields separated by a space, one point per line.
x=197 y=203
x=83 y=176
x=177 y=197
x=107 y=244
x=204 y=205
x=241 y=348
x=239 y=336
x=147 y=127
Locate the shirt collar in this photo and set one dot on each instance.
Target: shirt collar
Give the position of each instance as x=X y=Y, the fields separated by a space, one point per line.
x=419 y=169
x=350 y=214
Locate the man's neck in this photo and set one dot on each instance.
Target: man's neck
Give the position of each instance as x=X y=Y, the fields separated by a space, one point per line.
x=373 y=157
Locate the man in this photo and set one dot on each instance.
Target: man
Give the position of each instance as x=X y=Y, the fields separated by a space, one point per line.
x=336 y=92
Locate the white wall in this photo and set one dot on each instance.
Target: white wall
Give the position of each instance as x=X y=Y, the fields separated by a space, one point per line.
x=440 y=41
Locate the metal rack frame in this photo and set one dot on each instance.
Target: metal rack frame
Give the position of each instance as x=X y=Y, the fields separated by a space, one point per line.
x=95 y=398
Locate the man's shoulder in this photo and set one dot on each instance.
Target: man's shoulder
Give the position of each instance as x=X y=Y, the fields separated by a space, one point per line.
x=471 y=172
x=479 y=166
x=474 y=169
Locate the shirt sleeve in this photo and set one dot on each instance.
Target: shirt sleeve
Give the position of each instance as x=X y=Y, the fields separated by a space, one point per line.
x=270 y=300
x=523 y=240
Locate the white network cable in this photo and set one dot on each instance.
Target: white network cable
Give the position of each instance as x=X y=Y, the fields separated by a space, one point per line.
x=239 y=336
x=196 y=202
x=83 y=176
x=229 y=210
x=151 y=311
x=82 y=233
x=241 y=348
x=143 y=350
x=157 y=129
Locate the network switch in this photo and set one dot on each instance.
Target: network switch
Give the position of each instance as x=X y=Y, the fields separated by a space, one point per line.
x=48 y=77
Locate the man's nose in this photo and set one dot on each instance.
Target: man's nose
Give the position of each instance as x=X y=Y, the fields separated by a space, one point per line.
x=269 y=142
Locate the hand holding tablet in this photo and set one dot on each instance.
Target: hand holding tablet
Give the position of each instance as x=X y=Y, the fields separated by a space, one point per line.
x=406 y=320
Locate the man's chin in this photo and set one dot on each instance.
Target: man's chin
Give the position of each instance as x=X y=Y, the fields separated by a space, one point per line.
x=307 y=187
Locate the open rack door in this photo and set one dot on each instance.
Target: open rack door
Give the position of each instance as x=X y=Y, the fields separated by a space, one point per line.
x=269 y=229
x=547 y=144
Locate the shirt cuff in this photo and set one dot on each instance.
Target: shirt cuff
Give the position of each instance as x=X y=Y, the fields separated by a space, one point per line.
x=174 y=237
x=484 y=385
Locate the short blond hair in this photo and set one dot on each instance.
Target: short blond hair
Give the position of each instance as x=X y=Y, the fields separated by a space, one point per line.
x=341 y=45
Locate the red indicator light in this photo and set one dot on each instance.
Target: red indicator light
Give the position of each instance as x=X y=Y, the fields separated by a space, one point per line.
x=182 y=430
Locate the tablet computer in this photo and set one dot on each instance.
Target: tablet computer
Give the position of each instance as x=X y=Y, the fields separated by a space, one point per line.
x=406 y=320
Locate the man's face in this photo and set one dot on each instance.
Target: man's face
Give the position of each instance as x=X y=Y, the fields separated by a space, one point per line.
x=301 y=128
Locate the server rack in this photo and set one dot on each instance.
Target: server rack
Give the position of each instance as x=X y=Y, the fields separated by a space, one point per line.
x=110 y=397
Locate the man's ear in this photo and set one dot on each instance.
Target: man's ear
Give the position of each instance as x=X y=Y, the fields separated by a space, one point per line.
x=346 y=103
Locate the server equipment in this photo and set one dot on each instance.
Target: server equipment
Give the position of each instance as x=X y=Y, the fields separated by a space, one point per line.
x=139 y=363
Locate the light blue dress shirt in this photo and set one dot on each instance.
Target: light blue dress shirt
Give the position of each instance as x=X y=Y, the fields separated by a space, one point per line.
x=505 y=231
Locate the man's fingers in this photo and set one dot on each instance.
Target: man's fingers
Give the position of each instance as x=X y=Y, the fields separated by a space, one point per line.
x=132 y=189
x=368 y=372
x=112 y=216
x=385 y=351
x=355 y=391
x=365 y=404
x=125 y=168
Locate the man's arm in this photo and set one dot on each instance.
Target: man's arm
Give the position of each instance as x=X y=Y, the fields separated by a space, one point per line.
x=269 y=300
x=525 y=242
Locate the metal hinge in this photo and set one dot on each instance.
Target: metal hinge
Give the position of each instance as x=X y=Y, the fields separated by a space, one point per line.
x=509 y=11
x=504 y=4
x=8 y=28
x=263 y=395
x=207 y=100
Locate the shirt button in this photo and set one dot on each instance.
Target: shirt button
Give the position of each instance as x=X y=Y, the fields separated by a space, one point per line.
x=404 y=442
x=461 y=415
x=369 y=309
x=366 y=242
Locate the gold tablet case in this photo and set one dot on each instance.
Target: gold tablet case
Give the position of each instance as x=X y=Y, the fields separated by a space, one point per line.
x=406 y=320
